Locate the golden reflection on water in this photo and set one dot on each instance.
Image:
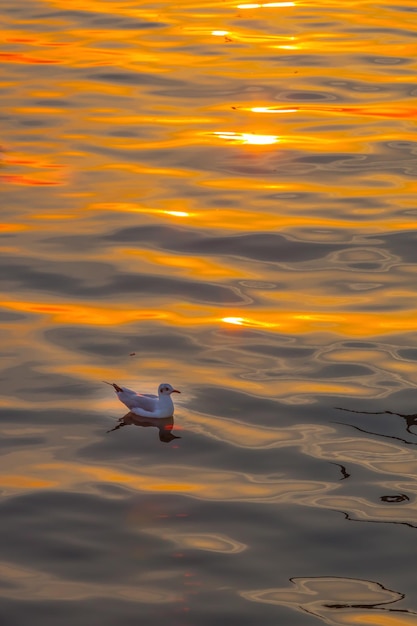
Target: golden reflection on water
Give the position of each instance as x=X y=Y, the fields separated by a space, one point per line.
x=217 y=120
x=207 y=484
x=210 y=542
x=382 y=619
x=244 y=435
x=249 y=138
x=203 y=483
x=267 y=5
x=23 y=583
x=339 y=601
x=354 y=325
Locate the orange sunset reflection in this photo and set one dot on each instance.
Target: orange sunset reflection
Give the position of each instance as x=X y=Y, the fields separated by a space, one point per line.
x=247 y=138
x=31 y=171
x=221 y=196
x=273 y=110
x=354 y=324
x=266 y=5
x=242 y=321
x=135 y=208
x=203 y=483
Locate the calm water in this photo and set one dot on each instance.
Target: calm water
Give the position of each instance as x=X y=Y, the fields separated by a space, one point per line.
x=222 y=197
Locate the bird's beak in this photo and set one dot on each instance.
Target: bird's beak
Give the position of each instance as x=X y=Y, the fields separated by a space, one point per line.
x=175 y=391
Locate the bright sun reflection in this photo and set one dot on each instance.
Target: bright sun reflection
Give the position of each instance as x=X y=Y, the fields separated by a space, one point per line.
x=250 y=138
x=233 y=320
x=219 y=33
x=133 y=208
x=271 y=110
x=268 y=5
x=244 y=321
x=177 y=213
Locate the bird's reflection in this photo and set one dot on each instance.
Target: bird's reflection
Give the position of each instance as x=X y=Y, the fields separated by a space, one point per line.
x=165 y=425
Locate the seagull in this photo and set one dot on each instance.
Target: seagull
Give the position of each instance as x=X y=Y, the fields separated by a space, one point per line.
x=145 y=404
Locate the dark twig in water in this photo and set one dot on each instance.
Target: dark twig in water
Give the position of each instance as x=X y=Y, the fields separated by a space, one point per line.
x=340 y=408
x=345 y=473
x=370 y=432
x=410 y=419
x=375 y=521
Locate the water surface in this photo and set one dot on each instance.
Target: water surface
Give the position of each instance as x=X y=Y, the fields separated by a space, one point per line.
x=222 y=197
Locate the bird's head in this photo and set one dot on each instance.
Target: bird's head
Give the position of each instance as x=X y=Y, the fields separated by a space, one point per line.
x=166 y=389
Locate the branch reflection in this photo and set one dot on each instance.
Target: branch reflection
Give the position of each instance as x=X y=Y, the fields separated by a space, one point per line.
x=165 y=425
x=410 y=421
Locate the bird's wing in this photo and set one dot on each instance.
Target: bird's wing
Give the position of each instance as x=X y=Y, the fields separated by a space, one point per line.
x=139 y=401
x=149 y=395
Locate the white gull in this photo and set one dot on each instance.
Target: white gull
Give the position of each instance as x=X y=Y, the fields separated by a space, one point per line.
x=145 y=404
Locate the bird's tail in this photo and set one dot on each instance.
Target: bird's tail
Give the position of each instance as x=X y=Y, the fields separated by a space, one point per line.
x=117 y=426
x=115 y=387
